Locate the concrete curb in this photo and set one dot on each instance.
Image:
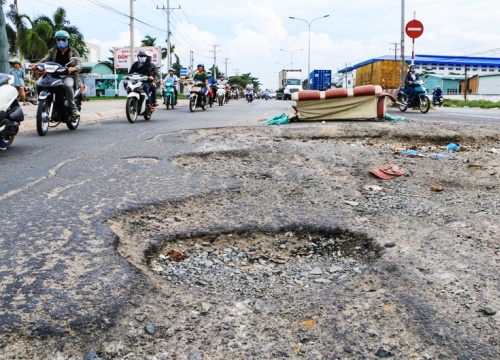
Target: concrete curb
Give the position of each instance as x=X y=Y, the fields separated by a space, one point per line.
x=92 y=112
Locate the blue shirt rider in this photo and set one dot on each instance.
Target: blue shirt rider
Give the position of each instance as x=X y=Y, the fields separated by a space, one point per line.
x=410 y=79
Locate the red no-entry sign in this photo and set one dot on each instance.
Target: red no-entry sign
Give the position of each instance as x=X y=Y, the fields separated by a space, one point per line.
x=414 y=29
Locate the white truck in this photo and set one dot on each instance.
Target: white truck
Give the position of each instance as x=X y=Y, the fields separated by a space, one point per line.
x=290 y=81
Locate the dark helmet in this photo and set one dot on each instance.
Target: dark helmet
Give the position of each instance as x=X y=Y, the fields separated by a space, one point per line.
x=142 y=54
x=203 y=66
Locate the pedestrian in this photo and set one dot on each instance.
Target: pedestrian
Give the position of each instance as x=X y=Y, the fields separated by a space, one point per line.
x=18 y=74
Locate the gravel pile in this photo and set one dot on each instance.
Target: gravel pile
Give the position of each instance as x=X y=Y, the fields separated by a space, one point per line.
x=284 y=263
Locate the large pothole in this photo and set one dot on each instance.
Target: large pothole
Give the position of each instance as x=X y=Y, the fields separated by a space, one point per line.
x=258 y=264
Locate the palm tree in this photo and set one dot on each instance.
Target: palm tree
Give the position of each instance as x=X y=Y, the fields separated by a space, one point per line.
x=60 y=22
x=150 y=41
x=28 y=40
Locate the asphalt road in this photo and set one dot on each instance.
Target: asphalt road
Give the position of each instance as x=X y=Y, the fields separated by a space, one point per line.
x=58 y=263
x=59 y=268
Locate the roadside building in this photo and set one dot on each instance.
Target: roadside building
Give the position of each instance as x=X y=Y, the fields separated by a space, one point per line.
x=446 y=67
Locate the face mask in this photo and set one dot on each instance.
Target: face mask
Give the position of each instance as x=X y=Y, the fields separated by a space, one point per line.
x=62 y=44
x=142 y=59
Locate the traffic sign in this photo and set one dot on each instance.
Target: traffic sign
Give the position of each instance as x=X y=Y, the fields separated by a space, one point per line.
x=414 y=28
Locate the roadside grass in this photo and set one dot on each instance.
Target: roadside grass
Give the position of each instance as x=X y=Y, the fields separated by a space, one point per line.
x=483 y=104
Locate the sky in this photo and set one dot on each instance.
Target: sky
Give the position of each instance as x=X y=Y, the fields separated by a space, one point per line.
x=258 y=36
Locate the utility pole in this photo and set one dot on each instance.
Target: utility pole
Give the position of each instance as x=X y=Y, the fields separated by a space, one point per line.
x=466 y=83
x=168 y=10
x=191 y=61
x=236 y=72
x=215 y=58
x=402 y=65
x=225 y=62
x=131 y=57
x=395 y=50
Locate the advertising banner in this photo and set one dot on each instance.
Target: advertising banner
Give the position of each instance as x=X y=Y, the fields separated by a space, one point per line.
x=122 y=55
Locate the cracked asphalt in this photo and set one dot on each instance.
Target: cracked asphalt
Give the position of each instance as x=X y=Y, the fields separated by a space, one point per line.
x=76 y=234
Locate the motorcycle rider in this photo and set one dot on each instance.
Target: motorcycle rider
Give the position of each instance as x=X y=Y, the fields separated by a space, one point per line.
x=249 y=89
x=143 y=66
x=410 y=79
x=202 y=76
x=61 y=54
x=173 y=79
x=211 y=82
x=436 y=94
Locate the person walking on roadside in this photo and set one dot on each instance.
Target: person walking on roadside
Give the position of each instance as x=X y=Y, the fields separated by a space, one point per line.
x=18 y=74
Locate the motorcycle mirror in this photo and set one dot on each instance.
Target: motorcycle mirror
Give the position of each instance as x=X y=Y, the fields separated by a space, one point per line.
x=72 y=61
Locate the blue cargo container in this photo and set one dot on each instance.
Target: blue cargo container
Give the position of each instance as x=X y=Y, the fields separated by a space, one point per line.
x=320 y=80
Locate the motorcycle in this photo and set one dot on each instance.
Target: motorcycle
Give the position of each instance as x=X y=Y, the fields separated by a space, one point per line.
x=169 y=98
x=420 y=95
x=438 y=100
x=221 y=93
x=136 y=98
x=11 y=113
x=210 y=96
x=29 y=92
x=196 y=97
x=267 y=96
x=53 y=107
x=249 y=95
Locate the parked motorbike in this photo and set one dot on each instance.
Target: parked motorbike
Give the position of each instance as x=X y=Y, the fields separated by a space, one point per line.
x=169 y=97
x=420 y=95
x=29 y=92
x=53 y=107
x=249 y=96
x=221 y=93
x=136 y=98
x=11 y=113
x=196 y=97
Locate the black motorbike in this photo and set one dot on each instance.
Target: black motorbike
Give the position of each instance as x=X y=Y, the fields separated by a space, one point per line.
x=438 y=100
x=11 y=113
x=53 y=107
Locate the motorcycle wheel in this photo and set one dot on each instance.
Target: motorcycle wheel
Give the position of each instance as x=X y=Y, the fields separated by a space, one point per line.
x=42 y=113
x=192 y=103
x=73 y=123
x=131 y=109
x=203 y=105
x=424 y=104
x=402 y=100
x=147 y=114
x=210 y=101
x=167 y=102
x=221 y=101
x=10 y=141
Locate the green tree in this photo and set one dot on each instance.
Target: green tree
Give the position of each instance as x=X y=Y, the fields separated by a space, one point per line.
x=151 y=41
x=244 y=79
x=60 y=22
x=28 y=38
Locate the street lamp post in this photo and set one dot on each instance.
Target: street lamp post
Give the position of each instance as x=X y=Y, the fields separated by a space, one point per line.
x=309 y=52
x=291 y=56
